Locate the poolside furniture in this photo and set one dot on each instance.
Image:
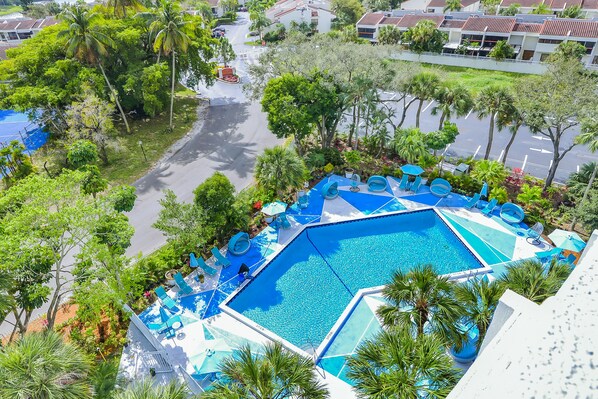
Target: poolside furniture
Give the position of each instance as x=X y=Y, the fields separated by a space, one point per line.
x=484 y=190
x=284 y=221
x=355 y=180
x=567 y=240
x=209 y=270
x=404 y=182
x=412 y=170
x=415 y=186
x=490 y=207
x=554 y=252
x=534 y=233
x=220 y=259
x=570 y=259
x=473 y=201
x=303 y=202
x=511 y=213
x=185 y=289
x=440 y=187
x=330 y=190
x=274 y=208
x=469 y=351
x=166 y=301
x=377 y=183
x=239 y=244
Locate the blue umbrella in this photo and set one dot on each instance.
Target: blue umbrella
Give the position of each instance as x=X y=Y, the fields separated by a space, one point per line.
x=568 y=240
x=484 y=191
x=413 y=170
x=274 y=208
x=193 y=260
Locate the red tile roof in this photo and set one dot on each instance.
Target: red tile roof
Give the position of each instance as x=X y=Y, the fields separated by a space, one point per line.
x=442 y=3
x=390 y=20
x=26 y=24
x=560 y=4
x=372 y=18
x=590 y=5
x=570 y=27
x=409 y=21
x=489 y=24
x=453 y=23
x=527 y=27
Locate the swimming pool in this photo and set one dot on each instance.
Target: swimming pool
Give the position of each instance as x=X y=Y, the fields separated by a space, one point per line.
x=302 y=291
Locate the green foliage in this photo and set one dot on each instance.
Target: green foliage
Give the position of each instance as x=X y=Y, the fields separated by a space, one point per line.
x=541 y=9
x=81 y=153
x=439 y=139
x=259 y=21
x=452 y=5
x=568 y=50
x=502 y=50
x=530 y=195
x=424 y=36
x=377 y=5
x=146 y=389
x=328 y=155
x=492 y=172
x=103 y=378
x=123 y=198
x=280 y=169
x=511 y=10
x=225 y=51
x=42 y=365
x=353 y=158
x=277 y=34
x=389 y=34
x=347 y=12
x=500 y=194
x=409 y=144
x=530 y=279
x=451 y=98
x=573 y=12
x=93 y=183
x=588 y=214
x=15 y=164
x=494 y=101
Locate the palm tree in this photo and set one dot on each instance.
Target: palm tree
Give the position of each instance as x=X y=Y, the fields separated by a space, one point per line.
x=389 y=34
x=452 y=5
x=120 y=6
x=479 y=299
x=529 y=279
x=492 y=172
x=511 y=118
x=279 y=169
x=423 y=86
x=146 y=389
x=573 y=12
x=259 y=22
x=587 y=137
x=422 y=299
x=42 y=366
x=396 y=365
x=541 y=9
x=451 y=98
x=169 y=32
x=278 y=374
x=409 y=144
x=491 y=101
x=88 y=44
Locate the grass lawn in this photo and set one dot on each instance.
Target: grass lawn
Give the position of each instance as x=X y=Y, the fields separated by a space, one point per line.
x=5 y=10
x=475 y=79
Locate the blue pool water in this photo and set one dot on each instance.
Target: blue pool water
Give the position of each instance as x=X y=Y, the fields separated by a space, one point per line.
x=17 y=126
x=305 y=288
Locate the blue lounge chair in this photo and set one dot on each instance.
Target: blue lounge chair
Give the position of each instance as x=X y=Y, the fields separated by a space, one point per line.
x=416 y=184
x=511 y=213
x=490 y=207
x=208 y=269
x=571 y=259
x=440 y=187
x=534 y=233
x=167 y=301
x=473 y=201
x=404 y=182
x=284 y=221
x=330 y=190
x=303 y=202
x=239 y=244
x=182 y=284
x=554 y=252
x=220 y=259
x=377 y=183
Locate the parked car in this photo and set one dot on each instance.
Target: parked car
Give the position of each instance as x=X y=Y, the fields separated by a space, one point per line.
x=219 y=29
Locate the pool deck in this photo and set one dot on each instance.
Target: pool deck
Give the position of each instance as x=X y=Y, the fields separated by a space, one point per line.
x=494 y=242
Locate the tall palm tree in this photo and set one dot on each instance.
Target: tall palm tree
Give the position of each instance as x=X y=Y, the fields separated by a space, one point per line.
x=88 y=44
x=421 y=299
x=169 y=30
x=479 y=299
x=259 y=22
x=511 y=118
x=120 y=6
x=451 y=98
x=541 y=9
x=529 y=279
x=43 y=366
x=278 y=374
x=396 y=365
x=423 y=86
x=588 y=137
x=492 y=101
x=389 y=34
x=452 y=5
x=279 y=169
x=146 y=389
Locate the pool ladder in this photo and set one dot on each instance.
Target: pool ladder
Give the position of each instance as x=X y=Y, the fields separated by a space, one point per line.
x=306 y=347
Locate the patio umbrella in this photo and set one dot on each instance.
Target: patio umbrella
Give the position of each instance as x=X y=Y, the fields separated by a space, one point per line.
x=212 y=354
x=568 y=240
x=412 y=170
x=274 y=208
x=484 y=190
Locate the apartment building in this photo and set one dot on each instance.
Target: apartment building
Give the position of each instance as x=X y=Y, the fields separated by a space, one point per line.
x=312 y=12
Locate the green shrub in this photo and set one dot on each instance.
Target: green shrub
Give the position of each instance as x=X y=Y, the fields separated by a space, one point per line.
x=500 y=194
x=331 y=155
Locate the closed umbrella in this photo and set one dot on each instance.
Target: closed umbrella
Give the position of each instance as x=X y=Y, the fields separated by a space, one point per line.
x=412 y=170
x=212 y=353
x=274 y=208
x=568 y=240
x=484 y=190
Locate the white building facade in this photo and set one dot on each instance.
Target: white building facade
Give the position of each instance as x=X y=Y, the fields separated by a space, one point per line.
x=314 y=13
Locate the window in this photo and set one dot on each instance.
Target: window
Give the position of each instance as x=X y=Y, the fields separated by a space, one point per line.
x=595 y=60
x=366 y=33
x=588 y=45
x=544 y=56
x=12 y=36
x=549 y=41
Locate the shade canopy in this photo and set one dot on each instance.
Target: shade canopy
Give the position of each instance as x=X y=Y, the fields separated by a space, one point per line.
x=567 y=240
x=413 y=170
x=484 y=190
x=212 y=354
x=274 y=208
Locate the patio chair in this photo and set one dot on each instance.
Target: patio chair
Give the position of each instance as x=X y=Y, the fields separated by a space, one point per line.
x=377 y=184
x=239 y=244
x=185 y=289
x=473 y=201
x=511 y=213
x=284 y=221
x=207 y=269
x=220 y=259
x=167 y=301
x=303 y=202
x=415 y=186
x=534 y=233
x=440 y=187
x=330 y=190
x=404 y=182
x=554 y=252
x=490 y=207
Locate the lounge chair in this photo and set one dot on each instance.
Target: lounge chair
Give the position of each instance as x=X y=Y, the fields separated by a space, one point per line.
x=184 y=288
x=554 y=252
x=377 y=183
x=220 y=259
x=239 y=244
x=473 y=201
x=330 y=190
x=404 y=182
x=511 y=213
x=284 y=221
x=207 y=269
x=440 y=187
x=534 y=233
x=415 y=186
x=166 y=301
x=303 y=202
x=571 y=259
x=490 y=207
